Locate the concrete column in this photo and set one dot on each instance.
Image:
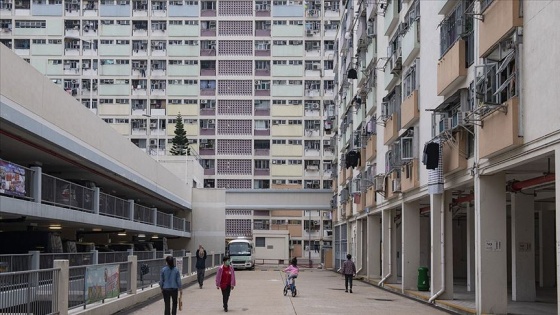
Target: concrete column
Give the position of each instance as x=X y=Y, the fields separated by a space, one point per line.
x=133 y=271
x=36 y=184
x=490 y=242
x=96 y=195
x=547 y=248
x=522 y=248
x=131 y=209
x=471 y=271
x=410 y=245
x=154 y=216
x=388 y=259
x=95 y=257
x=374 y=246
x=441 y=269
x=35 y=263
x=61 y=285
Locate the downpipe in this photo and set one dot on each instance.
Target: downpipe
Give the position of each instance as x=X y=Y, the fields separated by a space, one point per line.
x=382 y=282
x=442 y=256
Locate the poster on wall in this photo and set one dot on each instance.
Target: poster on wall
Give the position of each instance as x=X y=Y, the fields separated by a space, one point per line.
x=12 y=179
x=102 y=282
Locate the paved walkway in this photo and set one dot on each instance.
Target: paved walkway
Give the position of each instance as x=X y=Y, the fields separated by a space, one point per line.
x=319 y=292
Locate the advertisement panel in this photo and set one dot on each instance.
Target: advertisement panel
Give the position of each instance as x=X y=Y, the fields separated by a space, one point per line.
x=102 y=282
x=12 y=179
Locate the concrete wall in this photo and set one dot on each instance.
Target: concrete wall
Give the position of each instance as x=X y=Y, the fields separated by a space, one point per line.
x=276 y=245
x=208 y=217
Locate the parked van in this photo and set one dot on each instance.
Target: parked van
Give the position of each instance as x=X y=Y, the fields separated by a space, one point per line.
x=241 y=253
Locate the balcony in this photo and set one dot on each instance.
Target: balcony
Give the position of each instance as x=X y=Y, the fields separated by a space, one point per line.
x=451 y=67
x=261 y=132
x=500 y=18
x=348 y=208
x=371 y=148
x=389 y=185
x=409 y=110
x=262 y=172
x=391 y=129
x=410 y=175
x=410 y=44
x=500 y=130
x=342 y=175
x=453 y=153
x=262 y=152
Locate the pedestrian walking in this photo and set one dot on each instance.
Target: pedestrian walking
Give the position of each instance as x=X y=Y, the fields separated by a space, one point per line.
x=200 y=265
x=170 y=284
x=349 y=271
x=225 y=280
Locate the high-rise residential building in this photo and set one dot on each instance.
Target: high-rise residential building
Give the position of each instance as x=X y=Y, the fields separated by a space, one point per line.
x=450 y=107
x=252 y=80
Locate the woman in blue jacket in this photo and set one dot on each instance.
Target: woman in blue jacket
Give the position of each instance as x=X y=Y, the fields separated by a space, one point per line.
x=170 y=284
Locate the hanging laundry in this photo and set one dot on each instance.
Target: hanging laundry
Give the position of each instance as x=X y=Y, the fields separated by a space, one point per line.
x=435 y=175
x=357 y=198
x=432 y=155
x=352 y=159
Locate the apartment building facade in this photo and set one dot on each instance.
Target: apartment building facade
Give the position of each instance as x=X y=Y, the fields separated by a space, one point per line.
x=446 y=146
x=252 y=80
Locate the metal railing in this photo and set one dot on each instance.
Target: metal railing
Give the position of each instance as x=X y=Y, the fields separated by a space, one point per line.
x=163 y=219
x=15 y=262
x=112 y=257
x=75 y=259
x=113 y=207
x=143 y=214
x=29 y=292
x=63 y=193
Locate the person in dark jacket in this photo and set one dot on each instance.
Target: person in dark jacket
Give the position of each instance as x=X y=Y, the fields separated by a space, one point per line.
x=348 y=269
x=200 y=265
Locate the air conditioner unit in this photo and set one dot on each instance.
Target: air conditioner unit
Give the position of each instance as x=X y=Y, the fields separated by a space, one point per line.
x=379 y=183
x=315 y=67
x=396 y=64
x=458 y=119
x=315 y=106
x=372 y=30
x=444 y=124
x=203 y=101
x=309 y=33
x=396 y=185
x=312 y=167
x=273 y=161
x=153 y=142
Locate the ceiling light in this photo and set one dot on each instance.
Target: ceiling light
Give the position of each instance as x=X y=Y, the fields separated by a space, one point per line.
x=55 y=227
x=96 y=229
x=154 y=236
x=122 y=234
x=141 y=235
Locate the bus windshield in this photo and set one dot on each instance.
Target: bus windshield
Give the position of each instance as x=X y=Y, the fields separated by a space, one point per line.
x=239 y=249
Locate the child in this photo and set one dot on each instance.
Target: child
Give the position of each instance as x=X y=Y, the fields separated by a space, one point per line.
x=292 y=270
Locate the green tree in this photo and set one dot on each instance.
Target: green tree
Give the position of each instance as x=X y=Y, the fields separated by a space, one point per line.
x=180 y=141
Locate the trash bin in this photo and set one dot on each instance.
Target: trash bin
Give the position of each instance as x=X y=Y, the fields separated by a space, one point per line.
x=423 y=279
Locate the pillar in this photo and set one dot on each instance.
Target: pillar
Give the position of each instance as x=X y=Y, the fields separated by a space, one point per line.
x=441 y=262
x=490 y=242
x=61 y=285
x=471 y=271
x=133 y=281
x=96 y=196
x=388 y=260
x=374 y=246
x=547 y=248
x=522 y=248
x=131 y=209
x=36 y=184
x=410 y=245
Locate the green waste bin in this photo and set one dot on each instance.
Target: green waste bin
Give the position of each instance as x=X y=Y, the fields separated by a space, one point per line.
x=423 y=279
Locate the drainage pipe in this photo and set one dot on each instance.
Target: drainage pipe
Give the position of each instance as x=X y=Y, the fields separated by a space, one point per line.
x=442 y=256
x=382 y=282
x=517 y=186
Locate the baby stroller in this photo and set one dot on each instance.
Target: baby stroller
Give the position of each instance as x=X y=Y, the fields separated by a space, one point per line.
x=290 y=285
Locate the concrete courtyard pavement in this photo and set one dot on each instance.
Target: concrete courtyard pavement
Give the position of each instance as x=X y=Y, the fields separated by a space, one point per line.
x=319 y=292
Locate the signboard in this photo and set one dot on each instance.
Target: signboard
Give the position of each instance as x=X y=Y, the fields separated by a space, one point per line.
x=12 y=179
x=179 y=264
x=102 y=282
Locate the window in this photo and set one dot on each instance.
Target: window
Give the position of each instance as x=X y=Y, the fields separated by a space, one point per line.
x=410 y=80
x=458 y=24
x=260 y=242
x=31 y=24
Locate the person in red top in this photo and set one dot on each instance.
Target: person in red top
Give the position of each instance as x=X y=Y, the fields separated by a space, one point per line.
x=225 y=280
